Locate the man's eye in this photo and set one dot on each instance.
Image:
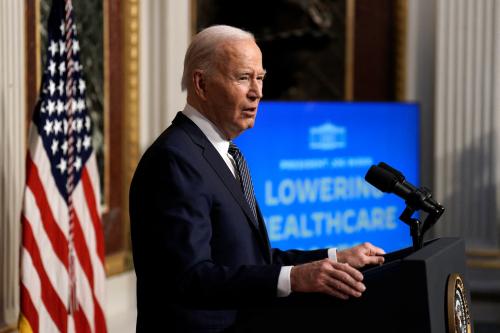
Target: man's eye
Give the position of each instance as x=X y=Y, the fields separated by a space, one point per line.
x=244 y=78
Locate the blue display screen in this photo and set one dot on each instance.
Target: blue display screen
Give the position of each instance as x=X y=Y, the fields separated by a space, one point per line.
x=308 y=161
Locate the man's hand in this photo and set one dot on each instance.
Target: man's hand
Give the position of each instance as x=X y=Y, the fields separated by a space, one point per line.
x=361 y=255
x=328 y=277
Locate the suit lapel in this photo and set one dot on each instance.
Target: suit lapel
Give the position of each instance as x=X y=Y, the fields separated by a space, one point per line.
x=218 y=165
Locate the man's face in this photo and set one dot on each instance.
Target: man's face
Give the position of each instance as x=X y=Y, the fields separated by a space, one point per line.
x=234 y=88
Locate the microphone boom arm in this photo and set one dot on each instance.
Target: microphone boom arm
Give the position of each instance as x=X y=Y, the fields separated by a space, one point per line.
x=417 y=228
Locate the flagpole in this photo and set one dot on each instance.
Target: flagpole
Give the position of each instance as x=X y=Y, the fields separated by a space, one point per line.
x=73 y=303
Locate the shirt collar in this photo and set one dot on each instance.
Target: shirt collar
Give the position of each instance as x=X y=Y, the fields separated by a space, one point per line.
x=208 y=128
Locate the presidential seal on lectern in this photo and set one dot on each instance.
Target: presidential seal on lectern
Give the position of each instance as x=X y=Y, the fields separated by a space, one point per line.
x=459 y=320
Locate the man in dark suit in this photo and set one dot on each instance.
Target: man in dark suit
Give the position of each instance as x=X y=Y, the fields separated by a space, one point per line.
x=200 y=246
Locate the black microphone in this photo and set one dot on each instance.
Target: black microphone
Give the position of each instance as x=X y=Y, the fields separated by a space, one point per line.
x=389 y=180
x=395 y=172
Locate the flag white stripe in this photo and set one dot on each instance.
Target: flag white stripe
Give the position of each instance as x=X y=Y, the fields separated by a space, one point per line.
x=80 y=205
x=84 y=294
x=91 y=166
x=46 y=324
x=56 y=272
x=31 y=281
x=71 y=325
x=82 y=212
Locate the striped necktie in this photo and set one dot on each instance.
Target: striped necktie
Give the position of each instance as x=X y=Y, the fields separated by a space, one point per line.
x=245 y=179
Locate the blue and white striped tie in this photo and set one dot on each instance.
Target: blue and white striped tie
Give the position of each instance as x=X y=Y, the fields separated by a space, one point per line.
x=245 y=179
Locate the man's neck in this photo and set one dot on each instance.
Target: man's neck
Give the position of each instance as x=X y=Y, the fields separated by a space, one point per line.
x=199 y=107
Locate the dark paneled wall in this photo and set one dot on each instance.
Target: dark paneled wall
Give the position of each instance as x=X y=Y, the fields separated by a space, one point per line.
x=304 y=45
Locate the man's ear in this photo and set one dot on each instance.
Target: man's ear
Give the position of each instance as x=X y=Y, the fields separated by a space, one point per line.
x=199 y=84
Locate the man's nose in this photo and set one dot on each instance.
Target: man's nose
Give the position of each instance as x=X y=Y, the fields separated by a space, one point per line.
x=255 y=91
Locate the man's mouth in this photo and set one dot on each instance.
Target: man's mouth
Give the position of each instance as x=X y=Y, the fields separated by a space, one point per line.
x=250 y=110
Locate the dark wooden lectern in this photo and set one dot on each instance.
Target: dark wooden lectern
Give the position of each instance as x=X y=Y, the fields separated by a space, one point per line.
x=406 y=294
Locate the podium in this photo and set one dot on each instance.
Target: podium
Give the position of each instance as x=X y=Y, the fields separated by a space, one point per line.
x=408 y=293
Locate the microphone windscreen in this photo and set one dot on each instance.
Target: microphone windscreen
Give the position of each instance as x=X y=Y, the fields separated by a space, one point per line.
x=395 y=172
x=382 y=179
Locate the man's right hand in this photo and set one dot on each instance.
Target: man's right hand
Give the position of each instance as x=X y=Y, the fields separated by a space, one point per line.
x=328 y=277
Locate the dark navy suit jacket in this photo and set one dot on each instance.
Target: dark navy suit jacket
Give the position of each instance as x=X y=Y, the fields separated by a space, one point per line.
x=201 y=258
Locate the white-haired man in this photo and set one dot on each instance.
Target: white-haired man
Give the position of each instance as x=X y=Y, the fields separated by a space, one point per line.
x=200 y=246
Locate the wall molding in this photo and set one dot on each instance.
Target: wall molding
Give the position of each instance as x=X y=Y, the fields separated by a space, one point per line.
x=13 y=150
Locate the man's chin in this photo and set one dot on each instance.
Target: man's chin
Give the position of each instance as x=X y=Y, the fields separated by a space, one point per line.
x=246 y=122
x=249 y=123
x=237 y=130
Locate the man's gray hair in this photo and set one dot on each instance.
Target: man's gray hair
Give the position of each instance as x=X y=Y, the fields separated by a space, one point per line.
x=200 y=52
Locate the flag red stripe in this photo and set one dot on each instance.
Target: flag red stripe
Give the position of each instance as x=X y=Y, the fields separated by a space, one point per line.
x=82 y=251
x=55 y=234
x=81 y=323
x=92 y=206
x=28 y=308
x=99 y=319
x=51 y=300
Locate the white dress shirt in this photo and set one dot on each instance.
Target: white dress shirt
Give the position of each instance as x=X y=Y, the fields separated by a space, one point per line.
x=221 y=144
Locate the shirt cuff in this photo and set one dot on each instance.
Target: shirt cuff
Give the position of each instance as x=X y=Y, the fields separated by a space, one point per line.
x=284 y=287
x=332 y=254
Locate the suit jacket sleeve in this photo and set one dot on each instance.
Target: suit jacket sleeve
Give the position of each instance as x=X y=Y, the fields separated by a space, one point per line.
x=172 y=234
x=297 y=257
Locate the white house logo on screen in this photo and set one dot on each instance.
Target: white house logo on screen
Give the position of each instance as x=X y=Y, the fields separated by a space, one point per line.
x=327 y=137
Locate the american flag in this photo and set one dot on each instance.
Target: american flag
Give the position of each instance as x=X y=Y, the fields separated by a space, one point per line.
x=62 y=254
